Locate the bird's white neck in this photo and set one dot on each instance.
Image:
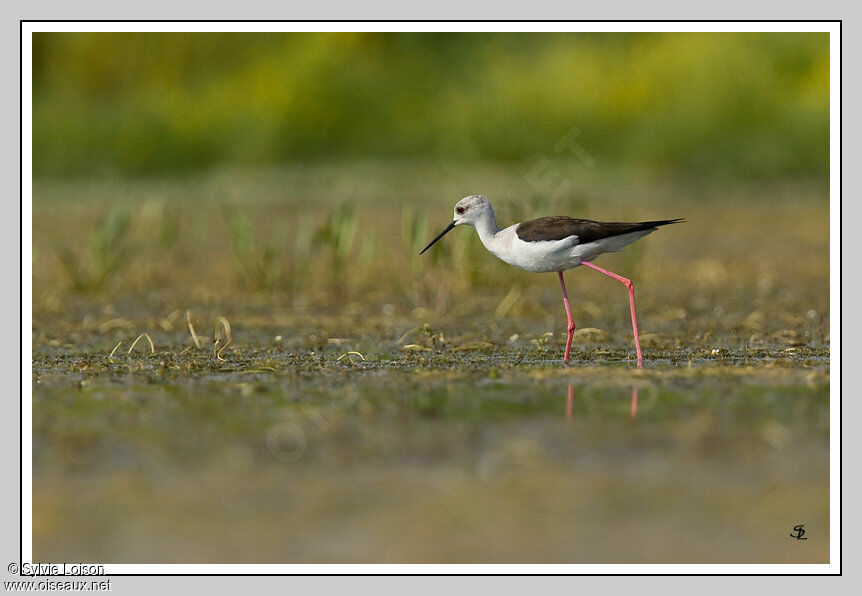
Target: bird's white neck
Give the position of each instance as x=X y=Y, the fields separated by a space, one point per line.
x=487 y=228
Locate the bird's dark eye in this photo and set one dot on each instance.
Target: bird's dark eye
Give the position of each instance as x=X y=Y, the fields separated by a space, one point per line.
x=459 y=210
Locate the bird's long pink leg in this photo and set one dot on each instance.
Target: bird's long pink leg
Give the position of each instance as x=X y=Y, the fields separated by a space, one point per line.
x=628 y=284
x=571 y=325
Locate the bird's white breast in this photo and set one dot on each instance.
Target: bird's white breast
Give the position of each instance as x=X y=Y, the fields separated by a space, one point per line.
x=540 y=257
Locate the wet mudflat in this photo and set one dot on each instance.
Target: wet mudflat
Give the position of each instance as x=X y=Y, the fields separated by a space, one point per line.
x=282 y=457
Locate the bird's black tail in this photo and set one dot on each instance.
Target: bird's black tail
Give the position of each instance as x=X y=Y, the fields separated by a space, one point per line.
x=645 y=225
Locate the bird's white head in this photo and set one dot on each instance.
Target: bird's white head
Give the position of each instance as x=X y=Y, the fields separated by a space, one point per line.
x=472 y=209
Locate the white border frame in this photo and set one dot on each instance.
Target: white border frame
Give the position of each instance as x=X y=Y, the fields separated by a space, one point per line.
x=831 y=27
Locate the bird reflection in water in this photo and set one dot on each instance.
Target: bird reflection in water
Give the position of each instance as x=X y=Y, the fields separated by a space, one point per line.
x=570 y=402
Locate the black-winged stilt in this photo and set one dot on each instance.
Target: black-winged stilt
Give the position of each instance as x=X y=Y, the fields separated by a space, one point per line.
x=551 y=244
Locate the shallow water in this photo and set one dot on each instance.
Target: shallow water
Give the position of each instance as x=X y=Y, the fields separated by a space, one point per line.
x=375 y=463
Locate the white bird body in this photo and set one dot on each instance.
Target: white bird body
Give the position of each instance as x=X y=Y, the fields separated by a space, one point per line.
x=548 y=256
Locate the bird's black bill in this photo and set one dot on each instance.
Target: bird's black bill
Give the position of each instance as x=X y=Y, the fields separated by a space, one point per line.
x=443 y=233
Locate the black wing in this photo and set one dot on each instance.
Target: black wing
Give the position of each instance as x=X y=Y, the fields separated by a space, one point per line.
x=558 y=227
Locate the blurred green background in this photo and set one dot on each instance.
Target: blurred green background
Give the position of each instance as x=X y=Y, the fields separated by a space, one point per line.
x=307 y=170
x=303 y=172
x=749 y=105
